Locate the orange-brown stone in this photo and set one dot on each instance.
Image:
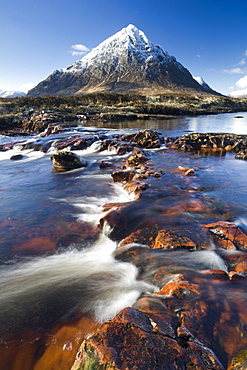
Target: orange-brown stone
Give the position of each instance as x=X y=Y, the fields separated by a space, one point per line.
x=144 y=236
x=179 y=289
x=172 y=239
x=229 y=232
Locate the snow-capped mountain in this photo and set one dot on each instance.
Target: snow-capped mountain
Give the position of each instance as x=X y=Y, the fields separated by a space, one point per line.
x=126 y=62
x=11 y=94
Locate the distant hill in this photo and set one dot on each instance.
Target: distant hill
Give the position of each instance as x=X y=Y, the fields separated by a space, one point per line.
x=11 y=94
x=126 y=62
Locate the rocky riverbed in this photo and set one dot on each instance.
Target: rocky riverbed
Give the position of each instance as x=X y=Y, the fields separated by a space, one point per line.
x=183 y=325
x=196 y=318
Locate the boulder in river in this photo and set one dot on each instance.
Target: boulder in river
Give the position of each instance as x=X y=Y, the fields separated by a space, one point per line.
x=144 y=139
x=139 y=341
x=65 y=161
x=211 y=141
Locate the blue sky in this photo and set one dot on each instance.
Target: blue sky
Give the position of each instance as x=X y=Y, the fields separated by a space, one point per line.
x=209 y=37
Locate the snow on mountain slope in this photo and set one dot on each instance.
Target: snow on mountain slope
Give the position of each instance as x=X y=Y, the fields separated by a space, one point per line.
x=201 y=82
x=128 y=40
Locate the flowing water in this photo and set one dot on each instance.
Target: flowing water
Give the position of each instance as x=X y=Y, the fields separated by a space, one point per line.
x=58 y=275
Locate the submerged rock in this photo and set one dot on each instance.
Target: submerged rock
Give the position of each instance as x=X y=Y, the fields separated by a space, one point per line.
x=139 y=341
x=65 y=161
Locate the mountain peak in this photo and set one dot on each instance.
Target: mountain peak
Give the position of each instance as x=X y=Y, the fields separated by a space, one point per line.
x=133 y=33
x=126 y=62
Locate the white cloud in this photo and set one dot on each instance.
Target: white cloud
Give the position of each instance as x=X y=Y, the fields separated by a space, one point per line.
x=26 y=87
x=235 y=71
x=238 y=93
x=242 y=62
x=79 y=49
x=242 y=83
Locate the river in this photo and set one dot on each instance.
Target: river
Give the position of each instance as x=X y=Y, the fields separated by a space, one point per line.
x=58 y=277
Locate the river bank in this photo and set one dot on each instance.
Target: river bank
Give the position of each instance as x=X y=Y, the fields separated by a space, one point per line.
x=104 y=107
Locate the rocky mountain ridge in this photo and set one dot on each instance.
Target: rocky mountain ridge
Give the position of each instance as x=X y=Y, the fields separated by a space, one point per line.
x=126 y=62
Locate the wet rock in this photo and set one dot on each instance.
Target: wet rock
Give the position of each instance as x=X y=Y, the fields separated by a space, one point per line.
x=135 y=187
x=122 y=176
x=187 y=171
x=36 y=245
x=136 y=159
x=145 y=236
x=123 y=148
x=75 y=143
x=239 y=362
x=171 y=239
x=242 y=154
x=6 y=146
x=16 y=157
x=241 y=267
x=211 y=141
x=235 y=276
x=108 y=206
x=65 y=161
x=181 y=290
x=104 y=164
x=144 y=139
x=131 y=341
x=228 y=235
x=39 y=121
x=115 y=221
x=108 y=144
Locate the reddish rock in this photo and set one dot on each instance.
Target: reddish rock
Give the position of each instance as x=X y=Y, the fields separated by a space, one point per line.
x=241 y=267
x=211 y=141
x=143 y=139
x=112 y=218
x=123 y=148
x=123 y=176
x=180 y=289
x=170 y=239
x=75 y=143
x=131 y=341
x=136 y=159
x=235 y=276
x=228 y=235
x=36 y=245
x=215 y=274
x=108 y=206
x=135 y=187
x=144 y=236
x=187 y=171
